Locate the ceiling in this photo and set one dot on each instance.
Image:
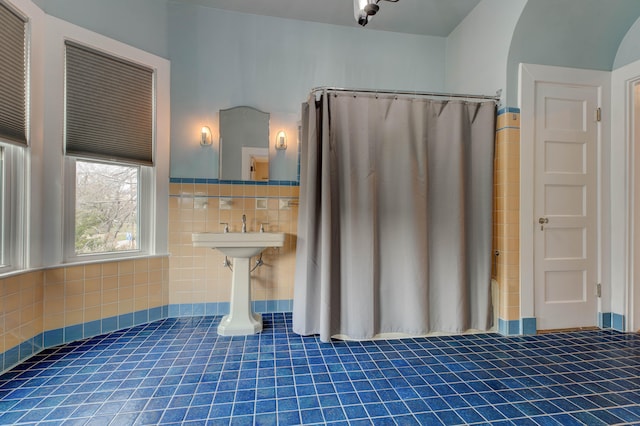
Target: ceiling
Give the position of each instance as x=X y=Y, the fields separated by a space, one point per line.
x=425 y=17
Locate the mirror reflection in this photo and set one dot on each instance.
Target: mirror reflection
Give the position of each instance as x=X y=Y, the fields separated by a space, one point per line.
x=244 y=144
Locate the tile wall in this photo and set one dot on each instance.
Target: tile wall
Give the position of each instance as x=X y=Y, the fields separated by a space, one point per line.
x=506 y=230
x=198 y=281
x=21 y=320
x=53 y=306
x=85 y=300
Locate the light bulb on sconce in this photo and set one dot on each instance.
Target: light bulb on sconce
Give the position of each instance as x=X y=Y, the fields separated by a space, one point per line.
x=205 y=136
x=281 y=140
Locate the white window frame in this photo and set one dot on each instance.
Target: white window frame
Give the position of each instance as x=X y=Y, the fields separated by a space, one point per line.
x=57 y=238
x=146 y=222
x=16 y=168
x=13 y=193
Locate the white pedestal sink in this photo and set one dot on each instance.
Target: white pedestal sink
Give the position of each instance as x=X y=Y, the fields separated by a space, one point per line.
x=240 y=246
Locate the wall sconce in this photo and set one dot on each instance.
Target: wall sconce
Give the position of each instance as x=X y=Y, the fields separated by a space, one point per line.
x=205 y=137
x=281 y=140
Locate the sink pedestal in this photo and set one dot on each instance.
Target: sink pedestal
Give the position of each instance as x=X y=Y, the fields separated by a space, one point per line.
x=240 y=246
x=241 y=320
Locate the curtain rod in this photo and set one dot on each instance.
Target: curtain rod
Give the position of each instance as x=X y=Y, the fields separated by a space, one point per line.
x=495 y=98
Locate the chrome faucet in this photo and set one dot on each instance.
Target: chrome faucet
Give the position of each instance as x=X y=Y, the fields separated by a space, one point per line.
x=244 y=223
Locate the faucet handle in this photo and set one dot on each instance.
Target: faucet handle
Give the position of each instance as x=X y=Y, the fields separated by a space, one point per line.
x=226 y=226
x=262 y=226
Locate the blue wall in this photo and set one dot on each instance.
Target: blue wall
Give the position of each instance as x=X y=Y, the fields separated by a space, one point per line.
x=569 y=33
x=222 y=59
x=139 y=23
x=628 y=51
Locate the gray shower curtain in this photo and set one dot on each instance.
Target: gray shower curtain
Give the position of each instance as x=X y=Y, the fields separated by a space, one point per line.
x=395 y=218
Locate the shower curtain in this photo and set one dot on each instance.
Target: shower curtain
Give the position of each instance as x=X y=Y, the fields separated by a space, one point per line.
x=395 y=218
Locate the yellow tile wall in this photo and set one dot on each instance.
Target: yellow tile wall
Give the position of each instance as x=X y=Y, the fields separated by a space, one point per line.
x=197 y=275
x=20 y=308
x=506 y=230
x=34 y=302
x=83 y=293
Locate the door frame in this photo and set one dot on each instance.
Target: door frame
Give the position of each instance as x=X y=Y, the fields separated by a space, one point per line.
x=625 y=280
x=529 y=76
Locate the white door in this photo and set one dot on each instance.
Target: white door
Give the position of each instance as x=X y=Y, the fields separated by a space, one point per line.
x=565 y=206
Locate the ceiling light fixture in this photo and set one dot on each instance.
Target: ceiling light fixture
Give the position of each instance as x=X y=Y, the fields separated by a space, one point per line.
x=363 y=10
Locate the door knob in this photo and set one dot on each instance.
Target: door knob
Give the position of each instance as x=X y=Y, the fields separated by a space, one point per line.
x=542 y=221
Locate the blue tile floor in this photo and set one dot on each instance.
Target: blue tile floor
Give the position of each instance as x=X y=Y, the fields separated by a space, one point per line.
x=179 y=371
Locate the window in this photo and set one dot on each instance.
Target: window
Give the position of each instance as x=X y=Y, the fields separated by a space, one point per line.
x=112 y=110
x=109 y=209
x=13 y=134
x=12 y=213
x=109 y=119
x=106 y=214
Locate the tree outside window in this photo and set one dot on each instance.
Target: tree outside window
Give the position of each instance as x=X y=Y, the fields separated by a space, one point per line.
x=106 y=207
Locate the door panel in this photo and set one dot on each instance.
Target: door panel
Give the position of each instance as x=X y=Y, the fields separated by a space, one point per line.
x=568 y=243
x=565 y=287
x=565 y=206
x=563 y=157
x=564 y=200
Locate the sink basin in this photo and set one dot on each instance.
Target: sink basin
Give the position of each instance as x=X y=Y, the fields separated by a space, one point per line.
x=238 y=244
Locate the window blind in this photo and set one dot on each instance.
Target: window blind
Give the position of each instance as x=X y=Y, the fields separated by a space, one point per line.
x=13 y=77
x=109 y=107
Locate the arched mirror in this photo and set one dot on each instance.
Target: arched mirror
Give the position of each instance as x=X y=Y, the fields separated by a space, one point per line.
x=244 y=144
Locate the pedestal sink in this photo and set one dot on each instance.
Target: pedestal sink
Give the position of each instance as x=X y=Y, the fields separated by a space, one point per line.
x=240 y=246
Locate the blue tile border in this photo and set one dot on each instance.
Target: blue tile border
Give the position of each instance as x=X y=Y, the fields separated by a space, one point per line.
x=233 y=197
x=508 y=327
x=508 y=110
x=222 y=308
x=93 y=328
x=234 y=182
x=50 y=338
x=523 y=326
x=155 y=314
x=618 y=322
x=12 y=356
x=73 y=332
x=53 y=337
x=604 y=319
x=528 y=326
x=109 y=324
x=60 y=336
x=125 y=320
x=612 y=320
x=24 y=350
x=141 y=317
